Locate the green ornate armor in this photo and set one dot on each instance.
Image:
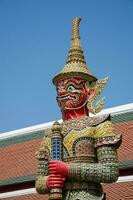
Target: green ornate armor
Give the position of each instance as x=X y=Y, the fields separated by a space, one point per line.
x=89 y=146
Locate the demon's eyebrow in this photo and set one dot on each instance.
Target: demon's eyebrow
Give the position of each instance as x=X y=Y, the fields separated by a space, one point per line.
x=75 y=80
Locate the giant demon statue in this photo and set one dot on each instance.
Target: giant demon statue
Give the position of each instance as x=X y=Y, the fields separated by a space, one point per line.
x=80 y=153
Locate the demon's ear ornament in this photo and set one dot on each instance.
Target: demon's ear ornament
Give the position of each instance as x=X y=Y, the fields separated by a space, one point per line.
x=94 y=105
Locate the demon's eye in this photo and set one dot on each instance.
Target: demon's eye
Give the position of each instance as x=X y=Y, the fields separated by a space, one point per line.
x=70 y=88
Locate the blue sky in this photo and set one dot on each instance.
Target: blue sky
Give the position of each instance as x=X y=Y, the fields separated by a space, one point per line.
x=34 y=42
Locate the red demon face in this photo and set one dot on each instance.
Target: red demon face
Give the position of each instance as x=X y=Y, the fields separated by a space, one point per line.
x=71 y=93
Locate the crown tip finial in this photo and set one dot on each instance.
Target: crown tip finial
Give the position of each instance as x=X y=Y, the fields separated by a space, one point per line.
x=75 y=27
x=77 y=19
x=75 y=32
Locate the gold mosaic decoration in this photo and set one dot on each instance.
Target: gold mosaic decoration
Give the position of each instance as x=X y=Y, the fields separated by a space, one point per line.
x=74 y=135
x=45 y=148
x=93 y=104
x=76 y=64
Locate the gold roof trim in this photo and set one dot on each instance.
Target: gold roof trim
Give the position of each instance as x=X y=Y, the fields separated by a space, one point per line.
x=75 y=64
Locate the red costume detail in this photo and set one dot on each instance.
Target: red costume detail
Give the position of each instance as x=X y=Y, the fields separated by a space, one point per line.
x=56 y=181
x=58 y=167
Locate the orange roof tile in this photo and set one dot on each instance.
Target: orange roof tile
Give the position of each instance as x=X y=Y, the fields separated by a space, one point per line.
x=126 y=148
x=119 y=191
x=18 y=159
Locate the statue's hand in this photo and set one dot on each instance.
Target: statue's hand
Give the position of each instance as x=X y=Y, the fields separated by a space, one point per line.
x=55 y=181
x=58 y=167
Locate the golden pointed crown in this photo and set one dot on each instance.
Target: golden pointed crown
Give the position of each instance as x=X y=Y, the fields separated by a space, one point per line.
x=76 y=64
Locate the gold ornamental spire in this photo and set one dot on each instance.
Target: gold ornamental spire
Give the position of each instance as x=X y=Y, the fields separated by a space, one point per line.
x=75 y=32
x=75 y=64
x=75 y=53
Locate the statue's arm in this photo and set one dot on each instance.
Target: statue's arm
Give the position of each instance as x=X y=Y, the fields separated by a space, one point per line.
x=105 y=171
x=43 y=156
x=42 y=176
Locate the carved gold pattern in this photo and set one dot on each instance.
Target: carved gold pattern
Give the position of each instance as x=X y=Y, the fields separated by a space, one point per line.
x=76 y=64
x=45 y=147
x=104 y=129
x=75 y=135
x=98 y=87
